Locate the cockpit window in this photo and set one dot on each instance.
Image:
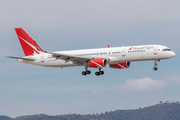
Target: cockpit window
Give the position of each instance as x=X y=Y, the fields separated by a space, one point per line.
x=166 y=50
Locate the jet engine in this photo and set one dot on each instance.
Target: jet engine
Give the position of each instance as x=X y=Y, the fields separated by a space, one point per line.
x=97 y=63
x=121 y=65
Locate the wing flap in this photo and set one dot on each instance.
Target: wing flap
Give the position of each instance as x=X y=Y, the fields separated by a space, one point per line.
x=78 y=60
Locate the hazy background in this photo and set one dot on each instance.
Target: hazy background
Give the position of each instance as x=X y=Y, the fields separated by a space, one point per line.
x=80 y=24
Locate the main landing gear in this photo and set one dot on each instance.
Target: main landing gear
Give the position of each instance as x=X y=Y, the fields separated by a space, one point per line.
x=86 y=72
x=155 y=64
x=96 y=73
x=100 y=72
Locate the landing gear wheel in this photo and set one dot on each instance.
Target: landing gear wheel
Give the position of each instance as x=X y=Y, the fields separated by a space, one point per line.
x=88 y=72
x=101 y=72
x=84 y=73
x=97 y=73
x=155 y=68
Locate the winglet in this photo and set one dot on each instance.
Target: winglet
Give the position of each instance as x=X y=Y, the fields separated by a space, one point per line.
x=108 y=46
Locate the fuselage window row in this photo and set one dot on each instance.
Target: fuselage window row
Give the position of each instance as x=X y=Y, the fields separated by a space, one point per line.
x=136 y=51
x=97 y=54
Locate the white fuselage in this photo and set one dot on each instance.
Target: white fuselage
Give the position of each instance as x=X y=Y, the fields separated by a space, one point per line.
x=113 y=54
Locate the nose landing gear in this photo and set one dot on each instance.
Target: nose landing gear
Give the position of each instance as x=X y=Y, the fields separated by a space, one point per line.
x=155 y=68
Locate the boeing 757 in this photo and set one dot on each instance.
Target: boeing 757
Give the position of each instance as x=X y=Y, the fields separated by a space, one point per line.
x=115 y=57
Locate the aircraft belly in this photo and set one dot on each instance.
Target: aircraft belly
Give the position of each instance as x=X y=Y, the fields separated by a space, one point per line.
x=59 y=63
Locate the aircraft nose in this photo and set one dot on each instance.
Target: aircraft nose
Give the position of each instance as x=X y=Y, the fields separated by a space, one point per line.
x=173 y=54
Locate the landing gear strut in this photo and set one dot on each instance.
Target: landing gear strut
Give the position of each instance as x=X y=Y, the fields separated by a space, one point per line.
x=100 y=72
x=155 y=64
x=86 y=72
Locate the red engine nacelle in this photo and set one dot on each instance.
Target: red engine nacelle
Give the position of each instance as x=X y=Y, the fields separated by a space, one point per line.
x=121 y=65
x=97 y=63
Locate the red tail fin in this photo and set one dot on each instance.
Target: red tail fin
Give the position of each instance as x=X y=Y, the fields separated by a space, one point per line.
x=29 y=45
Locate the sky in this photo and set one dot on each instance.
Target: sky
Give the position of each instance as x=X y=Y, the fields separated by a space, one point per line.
x=83 y=24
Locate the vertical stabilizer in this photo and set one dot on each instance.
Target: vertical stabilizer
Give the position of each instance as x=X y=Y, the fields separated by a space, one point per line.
x=29 y=45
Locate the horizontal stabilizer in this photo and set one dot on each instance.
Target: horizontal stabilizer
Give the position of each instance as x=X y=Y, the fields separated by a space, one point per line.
x=28 y=59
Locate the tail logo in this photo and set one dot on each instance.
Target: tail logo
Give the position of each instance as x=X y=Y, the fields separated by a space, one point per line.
x=29 y=45
x=130 y=48
x=34 y=48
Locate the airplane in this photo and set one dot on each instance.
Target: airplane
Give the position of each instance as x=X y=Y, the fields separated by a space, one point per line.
x=115 y=57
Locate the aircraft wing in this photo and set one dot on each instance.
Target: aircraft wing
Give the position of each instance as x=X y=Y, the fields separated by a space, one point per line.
x=78 y=60
x=28 y=59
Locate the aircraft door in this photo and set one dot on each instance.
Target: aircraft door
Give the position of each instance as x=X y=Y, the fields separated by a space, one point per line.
x=155 y=51
x=123 y=52
x=42 y=57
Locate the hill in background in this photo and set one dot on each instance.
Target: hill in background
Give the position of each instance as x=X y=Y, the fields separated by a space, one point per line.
x=162 y=111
